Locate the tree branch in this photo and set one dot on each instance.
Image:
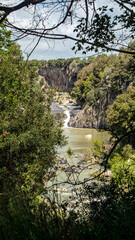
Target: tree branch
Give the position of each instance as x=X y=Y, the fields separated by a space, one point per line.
x=25 y=3
x=87 y=13
x=105 y=165
x=53 y=36
x=124 y=6
x=65 y=17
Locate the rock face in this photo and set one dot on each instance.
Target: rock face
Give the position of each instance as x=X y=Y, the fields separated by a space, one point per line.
x=87 y=118
x=92 y=116
x=62 y=80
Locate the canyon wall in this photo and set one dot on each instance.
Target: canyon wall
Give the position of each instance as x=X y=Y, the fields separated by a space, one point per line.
x=92 y=116
x=63 y=80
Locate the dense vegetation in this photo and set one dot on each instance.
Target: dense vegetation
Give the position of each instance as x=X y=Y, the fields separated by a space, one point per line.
x=105 y=75
x=69 y=63
x=29 y=137
x=99 y=83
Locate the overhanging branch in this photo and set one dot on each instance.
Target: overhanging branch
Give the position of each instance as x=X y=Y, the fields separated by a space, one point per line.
x=67 y=8
x=105 y=163
x=25 y=3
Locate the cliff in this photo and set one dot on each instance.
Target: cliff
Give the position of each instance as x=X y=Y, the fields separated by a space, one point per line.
x=96 y=85
x=62 y=79
x=92 y=116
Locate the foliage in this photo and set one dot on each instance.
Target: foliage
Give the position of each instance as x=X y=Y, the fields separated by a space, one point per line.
x=59 y=63
x=101 y=32
x=36 y=63
x=42 y=81
x=121 y=115
x=69 y=63
x=108 y=214
x=121 y=121
x=91 y=80
x=29 y=135
x=73 y=65
x=98 y=149
x=4 y=38
x=69 y=151
x=101 y=81
x=123 y=168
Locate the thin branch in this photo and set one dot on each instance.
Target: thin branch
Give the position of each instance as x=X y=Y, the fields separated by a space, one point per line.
x=115 y=145
x=8 y=10
x=21 y=5
x=53 y=36
x=112 y=132
x=124 y=6
x=62 y=37
x=105 y=165
x=34 y=47
x=65 y=17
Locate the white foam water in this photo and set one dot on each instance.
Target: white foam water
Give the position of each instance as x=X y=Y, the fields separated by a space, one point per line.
x=67 y=112
x=88 y=136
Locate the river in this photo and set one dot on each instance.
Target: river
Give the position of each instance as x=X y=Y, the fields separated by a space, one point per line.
x=76 y=166
x=80 y=139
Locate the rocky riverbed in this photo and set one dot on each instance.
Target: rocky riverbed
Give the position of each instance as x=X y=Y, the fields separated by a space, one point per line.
x=80 y=165
x=79 y=118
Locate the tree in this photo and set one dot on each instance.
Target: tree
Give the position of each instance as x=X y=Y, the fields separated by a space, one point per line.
x=122 y=165
x=29 y=135
x=121 y=121
x=5 y=36
x=121 y=116
x=107 y=26
x=90 y=85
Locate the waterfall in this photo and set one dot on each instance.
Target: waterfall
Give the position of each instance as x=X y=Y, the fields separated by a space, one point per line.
x=67 y=112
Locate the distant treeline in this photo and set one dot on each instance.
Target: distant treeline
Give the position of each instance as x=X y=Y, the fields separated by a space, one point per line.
x=62 y=63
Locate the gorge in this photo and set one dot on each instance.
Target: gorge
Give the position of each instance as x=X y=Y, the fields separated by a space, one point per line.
x=84 y=94
x=38 y=169
x=79 y=139
x=94 y=84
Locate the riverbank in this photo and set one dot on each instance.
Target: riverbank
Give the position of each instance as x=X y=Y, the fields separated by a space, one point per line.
x=80 y=164
x=79 y=118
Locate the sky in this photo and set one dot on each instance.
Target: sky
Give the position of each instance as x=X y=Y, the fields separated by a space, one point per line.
x=46 y=49
x=51 y=49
